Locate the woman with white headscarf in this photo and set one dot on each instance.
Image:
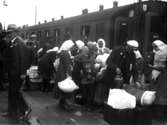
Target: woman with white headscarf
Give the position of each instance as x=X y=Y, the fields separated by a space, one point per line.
x=64 y=70
x=159 y=74
x=101 y=46
x=160 y=56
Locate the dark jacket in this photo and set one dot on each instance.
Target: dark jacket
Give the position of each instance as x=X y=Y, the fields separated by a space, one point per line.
x=2 y=48
x=65 y=66
x=125 y=60
x=15 y=58
x=45 y=64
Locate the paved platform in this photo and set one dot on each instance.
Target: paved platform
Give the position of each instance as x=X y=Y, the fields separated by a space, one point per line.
x=45 y=111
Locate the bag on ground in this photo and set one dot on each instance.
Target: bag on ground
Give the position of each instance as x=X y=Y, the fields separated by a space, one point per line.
x=120 y=99
x=67 y=85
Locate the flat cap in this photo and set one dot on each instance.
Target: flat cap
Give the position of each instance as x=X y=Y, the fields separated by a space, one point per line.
x=12 y=27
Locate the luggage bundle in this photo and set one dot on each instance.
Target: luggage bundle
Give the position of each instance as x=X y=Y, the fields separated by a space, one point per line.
x=33 y=74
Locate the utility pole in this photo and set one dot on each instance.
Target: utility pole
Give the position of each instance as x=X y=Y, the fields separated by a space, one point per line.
x=35 y=14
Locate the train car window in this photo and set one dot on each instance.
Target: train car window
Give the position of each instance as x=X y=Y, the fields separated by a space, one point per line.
x=67 y=33
x=47 y=33
x=99 y=30
x=85 y=30
x=165 y=30
x=156 y=24
x=39 y=33
x=57 y=33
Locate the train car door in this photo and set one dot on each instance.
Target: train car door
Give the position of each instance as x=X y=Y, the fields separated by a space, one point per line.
x=122 y=30
x=155 y=28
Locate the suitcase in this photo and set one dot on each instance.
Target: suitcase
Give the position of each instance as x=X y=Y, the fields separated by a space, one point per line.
x=119 y=117
x=143 y=115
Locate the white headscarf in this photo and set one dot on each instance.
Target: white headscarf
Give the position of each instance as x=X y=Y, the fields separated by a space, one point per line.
x=160 y=57
x=101 y=49
x=133 y=43
x=66 y=45
x=160 y=44
x=55 y=49
x=103 y=41
x=80 y=44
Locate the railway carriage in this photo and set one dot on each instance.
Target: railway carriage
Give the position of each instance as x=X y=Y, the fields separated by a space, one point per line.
x=144 y=21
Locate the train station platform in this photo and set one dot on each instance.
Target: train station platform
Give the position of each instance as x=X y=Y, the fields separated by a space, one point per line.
x=45 y=111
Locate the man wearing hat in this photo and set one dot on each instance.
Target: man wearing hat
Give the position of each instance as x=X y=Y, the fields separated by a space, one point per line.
x=14 y=56
x=2 y=48
x=121 y=62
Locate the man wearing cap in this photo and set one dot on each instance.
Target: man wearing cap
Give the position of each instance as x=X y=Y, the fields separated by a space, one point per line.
x=14 y=57
x=35 y=43
x=121 y=62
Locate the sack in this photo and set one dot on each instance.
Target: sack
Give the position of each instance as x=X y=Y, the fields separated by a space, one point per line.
x=56 y=63
x=67 y=85
x=32 y=72
x=148 y=97
x=120 y=99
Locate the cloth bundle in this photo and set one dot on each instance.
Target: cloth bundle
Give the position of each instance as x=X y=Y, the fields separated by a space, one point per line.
x=122 y=99
x=67 y=85
x=32 y=72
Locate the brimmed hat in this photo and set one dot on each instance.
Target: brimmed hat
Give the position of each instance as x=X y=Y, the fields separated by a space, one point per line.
x=133 y=43
x=12 y=27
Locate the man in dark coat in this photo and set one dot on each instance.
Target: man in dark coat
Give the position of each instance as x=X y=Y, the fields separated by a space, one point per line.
x=14 y=57
x=121 y=61
x=46 y=68
x=2 y=48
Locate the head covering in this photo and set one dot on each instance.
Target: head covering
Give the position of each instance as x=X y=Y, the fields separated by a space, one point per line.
x=160 y=55
x=55 y=49
x=79 y=44
x=148 y=97
x=12 y=27
x=66 y=45
x=91 y=46
x=133 y=43
x=101 y=40
x=33 y=36
x=83 y=55
x=160 y=44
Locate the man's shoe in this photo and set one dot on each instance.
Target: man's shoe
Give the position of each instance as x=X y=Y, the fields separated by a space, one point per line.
x=26 y=114
x=28 y=111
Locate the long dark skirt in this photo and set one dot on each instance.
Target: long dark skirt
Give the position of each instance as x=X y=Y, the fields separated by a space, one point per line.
x=161 y=87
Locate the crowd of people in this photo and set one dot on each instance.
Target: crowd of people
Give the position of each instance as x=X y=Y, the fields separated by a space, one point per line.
x=93 y=67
